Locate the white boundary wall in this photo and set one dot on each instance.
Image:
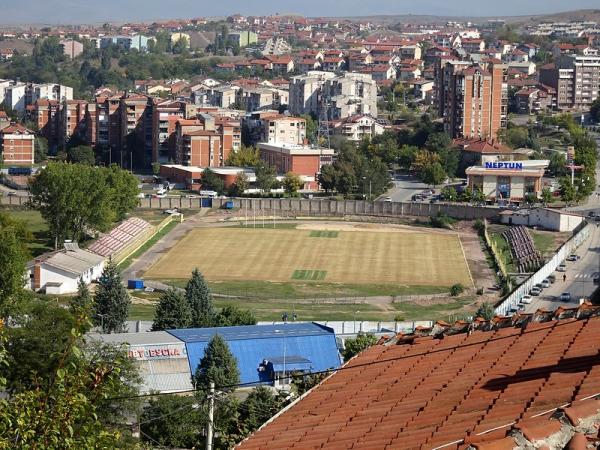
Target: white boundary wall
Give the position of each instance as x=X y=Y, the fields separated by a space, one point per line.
x=503 y=309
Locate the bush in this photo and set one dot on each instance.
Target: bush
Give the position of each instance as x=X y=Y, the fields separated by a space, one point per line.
x=479 y=226
x=442 y=221
x=457 y=289
x=486 y=311
x=399 y=318
x=480 y=291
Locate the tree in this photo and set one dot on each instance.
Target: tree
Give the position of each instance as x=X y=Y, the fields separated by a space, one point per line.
x=210 y=181
x=547 y=196
x=449 y=194
x=260 y=405
x=266 y=177
x=240 y=185
x=41 y=149
x=515 y=137
x=406 y=156
x=353 y=346
x=312 y=129
x=83 y=300
x=486 y=311
x=199 y=299
x=111 y=301
x=76 y=199
x=172 y=312
x=218 y=366
x=244 y=157
x=557 y=164
x=434 y=174
x=13 y=258
x=231 y=316
x=327 y=178
x=171 y=421
x=595 y=110
x=568 y=192
x=292 y=183
x=81 y=154
x=438 y=142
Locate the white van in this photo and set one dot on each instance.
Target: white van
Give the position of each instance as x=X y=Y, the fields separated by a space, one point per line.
x=210 y=194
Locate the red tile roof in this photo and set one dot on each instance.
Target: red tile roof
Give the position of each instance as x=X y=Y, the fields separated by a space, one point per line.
x=451 y=389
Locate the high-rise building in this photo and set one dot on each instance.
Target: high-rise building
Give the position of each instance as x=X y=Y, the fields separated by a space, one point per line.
x=46 y=113
x=17 y=145
x=472 y=98
x=576 y=79
x=73 y=120
x=164 y=117
x=136 y=129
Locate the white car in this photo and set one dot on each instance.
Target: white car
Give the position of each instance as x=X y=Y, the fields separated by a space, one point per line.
x=388 y=199
x=562 y=268
x=545 y=283
x=526 y=299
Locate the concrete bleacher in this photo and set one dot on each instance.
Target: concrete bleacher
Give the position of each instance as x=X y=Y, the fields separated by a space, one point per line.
x=120 y=237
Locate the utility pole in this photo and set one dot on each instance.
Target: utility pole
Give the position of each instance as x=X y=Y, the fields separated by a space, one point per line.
x=211 y=414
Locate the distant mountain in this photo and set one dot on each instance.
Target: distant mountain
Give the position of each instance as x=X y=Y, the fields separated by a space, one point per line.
x=567 y=16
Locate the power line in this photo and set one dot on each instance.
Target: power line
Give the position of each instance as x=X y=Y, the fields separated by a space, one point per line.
x=352 y=367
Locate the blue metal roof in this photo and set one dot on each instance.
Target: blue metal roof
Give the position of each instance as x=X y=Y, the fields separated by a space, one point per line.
x=251 y=332
x=251 y=345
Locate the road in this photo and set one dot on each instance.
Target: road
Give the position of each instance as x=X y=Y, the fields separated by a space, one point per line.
x=405 y=186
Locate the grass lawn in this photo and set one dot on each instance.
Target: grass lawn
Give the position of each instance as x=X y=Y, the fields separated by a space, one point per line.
x=148 y=245
x=298 y=290
x=272 y=310
x=503 y=251
x=381 y=257
x=545 y=241
x=42 y=241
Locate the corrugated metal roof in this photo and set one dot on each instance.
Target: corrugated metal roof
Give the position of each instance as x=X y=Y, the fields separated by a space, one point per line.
x=251 y=332
x=319 y=348
x=75 y=262
x=152 y=338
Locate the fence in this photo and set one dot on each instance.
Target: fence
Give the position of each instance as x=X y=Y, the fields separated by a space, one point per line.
x=329 y=207
x=14 y=200
x=565 y=250
x=141 y=240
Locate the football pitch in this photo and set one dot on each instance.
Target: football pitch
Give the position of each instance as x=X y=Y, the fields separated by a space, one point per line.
x=359 y=256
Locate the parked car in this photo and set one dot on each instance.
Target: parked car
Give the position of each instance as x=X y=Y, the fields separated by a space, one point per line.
x=562 y=267
x=597 y=218
x=540 y=286
x=565 y=297
x=591 y=214
x=551 y=278
x=572 y=257
x=526 y=299
x=535 y=291
x=545 y=283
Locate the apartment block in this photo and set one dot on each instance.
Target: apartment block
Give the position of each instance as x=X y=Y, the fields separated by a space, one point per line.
x=136 y=128
x=164 y=119
x=274 y=128
x=472 y=98
x=576 y=79
x=17 y=145
x=73 y=120
x=72 y=48
x=46 y=113
x=336 y=97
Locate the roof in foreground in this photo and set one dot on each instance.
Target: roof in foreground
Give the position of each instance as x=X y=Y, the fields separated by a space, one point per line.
x=450 y=390
x=251 y=332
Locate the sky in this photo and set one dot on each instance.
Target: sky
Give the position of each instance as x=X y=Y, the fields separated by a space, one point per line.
x=95 y=11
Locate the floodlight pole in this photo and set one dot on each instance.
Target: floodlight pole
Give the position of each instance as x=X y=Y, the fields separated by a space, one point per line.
x=211 y=413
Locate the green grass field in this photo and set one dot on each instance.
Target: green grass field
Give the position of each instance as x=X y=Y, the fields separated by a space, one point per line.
x=373 y=257
x=42 y=241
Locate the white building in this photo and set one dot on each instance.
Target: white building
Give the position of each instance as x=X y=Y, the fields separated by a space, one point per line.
x=546 y=218
x=59 y=272
x=14 y=97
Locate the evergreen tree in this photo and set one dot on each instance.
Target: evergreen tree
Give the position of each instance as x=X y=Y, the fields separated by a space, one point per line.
x=218 y=365
x=173 y=311
x=111 y=302
x=83 y=300
x=260 y=405
x=13 y=258
x=199 y=298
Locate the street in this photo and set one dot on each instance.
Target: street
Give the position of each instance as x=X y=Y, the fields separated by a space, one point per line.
x=405 y=186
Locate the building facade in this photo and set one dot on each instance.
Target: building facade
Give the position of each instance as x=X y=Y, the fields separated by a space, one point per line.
x=17 y=145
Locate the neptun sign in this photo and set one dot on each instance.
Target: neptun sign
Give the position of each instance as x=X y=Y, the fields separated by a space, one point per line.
x=504 y=165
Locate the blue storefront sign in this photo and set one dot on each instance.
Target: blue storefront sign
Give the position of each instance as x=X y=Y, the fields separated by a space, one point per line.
x=504 y=165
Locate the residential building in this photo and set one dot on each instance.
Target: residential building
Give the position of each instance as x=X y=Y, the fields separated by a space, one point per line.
x=472 y=98
x=303 y=161
x=46 y=114
x=356 y=128
x=243 y=38
x=4 y=120
x=72 y=48
x=274 y=128
x=137 y=42
x=59 y=272
x=531 y=100
x=164 y=119
x=380 y=72
x=136 y=129
x=73 y=120
x=17 y=145
x=14 y=96
x=576 y=79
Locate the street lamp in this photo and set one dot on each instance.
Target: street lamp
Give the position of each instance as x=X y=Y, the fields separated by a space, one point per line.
x=283 y=334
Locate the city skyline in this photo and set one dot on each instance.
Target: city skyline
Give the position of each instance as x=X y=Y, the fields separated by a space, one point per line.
x=71 y=11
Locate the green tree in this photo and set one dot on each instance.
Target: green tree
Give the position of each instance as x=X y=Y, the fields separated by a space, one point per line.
x=81 y=154
x=13 y=258
x=486 y=311
x=41 y=149
x=218 y=365
x=312 y=129
x=406 y=156
x=231 y=316
x=111 y=301
x=171 y=421
x=292 y=183
x=244 y=157
x=266 y=177
x=568 y=192
x=327 y=178
x=449 y=194
x=260 y=405
x=172 y=312
x=595 y=110
x=240 y=185
x=212 y=182
x=434 y=174
x=353 y=346
x=557 y=164
x=438 y=142
x=547 y=196
x=83 y=300
x=199 y=298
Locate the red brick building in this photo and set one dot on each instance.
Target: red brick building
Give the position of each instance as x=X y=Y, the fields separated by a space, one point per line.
x=17 y=145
